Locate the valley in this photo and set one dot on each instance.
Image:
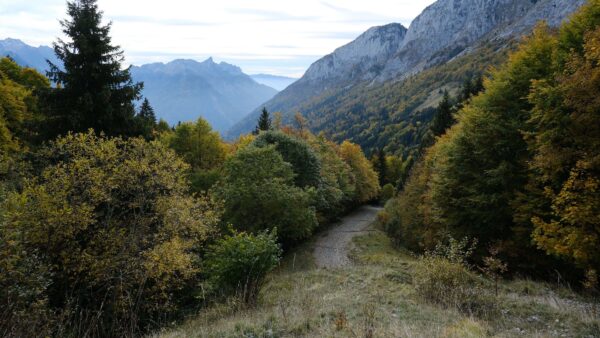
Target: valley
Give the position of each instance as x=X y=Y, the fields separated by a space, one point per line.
x=438 y=176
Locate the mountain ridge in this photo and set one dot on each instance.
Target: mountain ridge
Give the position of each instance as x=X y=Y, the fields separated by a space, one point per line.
x=180 y=90
x=444 y=30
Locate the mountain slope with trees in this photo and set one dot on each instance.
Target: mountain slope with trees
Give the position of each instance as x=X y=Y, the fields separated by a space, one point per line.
x=374 y=94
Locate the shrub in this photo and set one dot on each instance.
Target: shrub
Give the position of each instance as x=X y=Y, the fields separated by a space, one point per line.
x=449 y=284
x=305 y=163
x=239 y=263
x=259 y=194
x=108 y=232
x=387 y=192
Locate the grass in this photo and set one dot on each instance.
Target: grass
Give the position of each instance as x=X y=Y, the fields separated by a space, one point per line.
x=375 y=298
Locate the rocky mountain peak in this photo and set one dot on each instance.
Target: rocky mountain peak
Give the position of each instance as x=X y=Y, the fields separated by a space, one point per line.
x=355 y=58
x=447 y=27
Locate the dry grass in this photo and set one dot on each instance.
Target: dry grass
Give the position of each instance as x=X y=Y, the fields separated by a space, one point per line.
x=376 y=298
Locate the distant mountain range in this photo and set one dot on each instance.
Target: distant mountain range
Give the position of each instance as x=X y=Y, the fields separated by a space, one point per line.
x=181 y=90
x=334 y=91
x=274 y=81
x=28 y=56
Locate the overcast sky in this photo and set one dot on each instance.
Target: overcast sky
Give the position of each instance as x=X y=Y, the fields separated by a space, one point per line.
x=280 y=37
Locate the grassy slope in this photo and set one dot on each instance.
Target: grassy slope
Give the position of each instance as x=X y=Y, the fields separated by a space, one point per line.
x=376 y=296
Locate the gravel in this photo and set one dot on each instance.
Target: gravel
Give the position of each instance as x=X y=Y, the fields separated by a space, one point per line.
x=332 y=246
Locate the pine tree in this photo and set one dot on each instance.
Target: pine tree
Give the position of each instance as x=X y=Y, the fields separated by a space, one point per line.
x=93 y=91
x=264 y=122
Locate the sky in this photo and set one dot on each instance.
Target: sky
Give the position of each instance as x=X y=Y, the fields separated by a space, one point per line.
x=280 y=37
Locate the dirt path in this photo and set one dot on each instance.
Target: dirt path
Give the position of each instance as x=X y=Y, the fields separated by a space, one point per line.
x=332 y=247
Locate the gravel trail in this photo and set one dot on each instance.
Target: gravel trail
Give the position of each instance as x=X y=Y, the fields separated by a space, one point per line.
x=332 y=246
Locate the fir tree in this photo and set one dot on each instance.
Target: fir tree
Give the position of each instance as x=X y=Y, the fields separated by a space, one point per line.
x=381 y=167
x=146 y=120
x=264 y=122
x=93 y=91
x=443 y=118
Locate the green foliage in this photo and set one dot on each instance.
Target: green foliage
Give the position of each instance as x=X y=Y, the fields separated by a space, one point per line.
x=93 y=90
x=108 y=233
x=259 y=194
x=337 y=188
x=202 y=148
x=443 y=118
x=146 y=120
x=239 y=262
x=197 y=144
x=387 y=192
x=305 y=164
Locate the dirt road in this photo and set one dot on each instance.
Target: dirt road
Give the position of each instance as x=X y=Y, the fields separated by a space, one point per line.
x=332 y=247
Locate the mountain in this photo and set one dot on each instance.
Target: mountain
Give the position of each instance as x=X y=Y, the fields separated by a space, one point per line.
x=183 y=90
x=277 y=82
x=26 y=55
x=335 y=89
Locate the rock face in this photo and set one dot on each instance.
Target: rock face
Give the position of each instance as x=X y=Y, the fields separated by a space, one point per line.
x=355 y=61
x=183 y=90
x=448 y=27
x=442 y=31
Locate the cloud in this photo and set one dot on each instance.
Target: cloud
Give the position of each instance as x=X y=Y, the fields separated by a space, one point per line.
x=282 y=37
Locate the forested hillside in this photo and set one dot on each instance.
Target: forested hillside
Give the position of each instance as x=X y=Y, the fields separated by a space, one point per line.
x=519 y=170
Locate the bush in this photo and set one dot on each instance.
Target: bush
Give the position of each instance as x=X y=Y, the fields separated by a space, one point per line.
x=387 y=192
x=105 y=235
x=259 y=194
x=239 y=263
x=449 y=284
x=305 y=164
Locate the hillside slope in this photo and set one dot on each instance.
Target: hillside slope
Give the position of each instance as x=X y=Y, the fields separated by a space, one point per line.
x=445 y=31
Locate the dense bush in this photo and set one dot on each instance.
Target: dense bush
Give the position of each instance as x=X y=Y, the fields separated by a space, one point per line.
x=337 y=188
x=106 y=235
x=387 y=192
x=202 y=148
x=239 y=263
x=259 y=194
x=305 y=163
x=366 y=180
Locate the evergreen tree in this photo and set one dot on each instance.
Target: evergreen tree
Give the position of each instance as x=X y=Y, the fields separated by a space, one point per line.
x=93 y=90
x=443 y=118
x=264 y=122
x=381 y=167
x=146 y=120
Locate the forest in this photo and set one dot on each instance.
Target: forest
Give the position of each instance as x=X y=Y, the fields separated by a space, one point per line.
x=113 y=223
x=516 y=167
